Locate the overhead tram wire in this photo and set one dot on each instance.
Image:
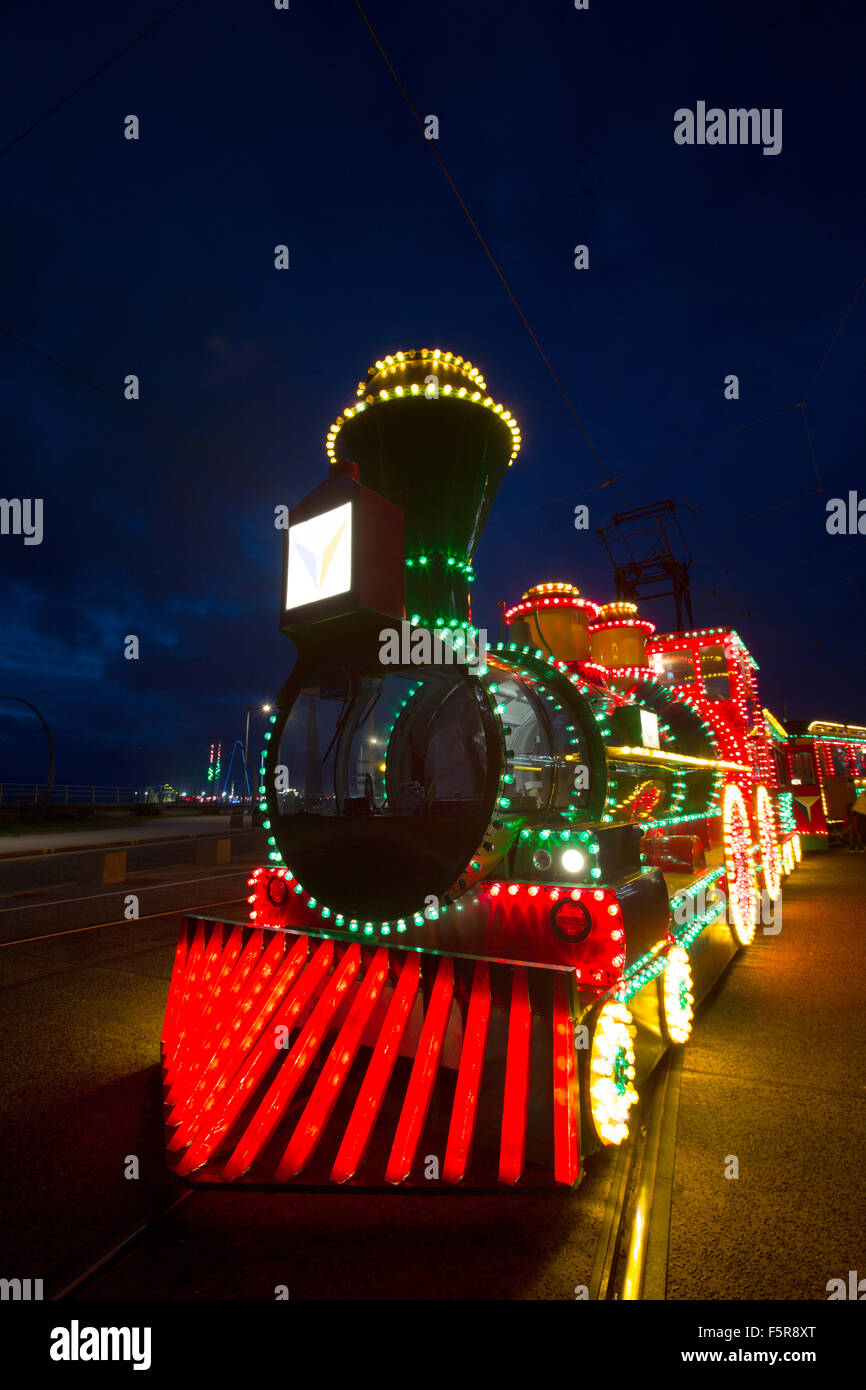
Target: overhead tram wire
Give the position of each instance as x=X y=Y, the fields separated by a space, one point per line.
x=833 y=340
x=151 y=419
x=651 y=463
x=609 y=481
x=666 y=458
x=820 y=487
x=102 y=68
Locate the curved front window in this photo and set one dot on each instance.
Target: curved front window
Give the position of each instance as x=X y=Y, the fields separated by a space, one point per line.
x=550 y=762
x=398 y=786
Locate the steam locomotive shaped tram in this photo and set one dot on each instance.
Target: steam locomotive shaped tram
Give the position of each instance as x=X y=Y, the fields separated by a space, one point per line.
x=500 y=878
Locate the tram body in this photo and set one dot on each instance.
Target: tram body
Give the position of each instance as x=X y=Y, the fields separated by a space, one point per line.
x=499 y=880
x=822 y=769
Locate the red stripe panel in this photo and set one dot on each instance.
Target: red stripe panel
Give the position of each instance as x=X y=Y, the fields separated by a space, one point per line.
x=189 y=988
x=189 y=1041
x=214 y=1011
x=233 y=1048
x=424 y=1069
x=378 y=1073
x=248 y=986
x=326 y=1092
x=566 y=1159
x=293 y=1069
x=512 y=1150
x=261 y=1058
x=213 y=1016
x=174 y=990
x=465 y=1109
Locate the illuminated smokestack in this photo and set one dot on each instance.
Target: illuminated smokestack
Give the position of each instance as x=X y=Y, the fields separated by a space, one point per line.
x=425 y=434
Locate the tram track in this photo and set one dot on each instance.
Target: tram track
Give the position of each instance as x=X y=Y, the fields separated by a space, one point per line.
x=631 y=1256
x=121 y=1250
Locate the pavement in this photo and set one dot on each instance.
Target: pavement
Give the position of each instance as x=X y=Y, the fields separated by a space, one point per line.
x=774 y=1087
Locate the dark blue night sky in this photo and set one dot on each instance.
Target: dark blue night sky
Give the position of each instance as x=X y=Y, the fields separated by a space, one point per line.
x=261 y=127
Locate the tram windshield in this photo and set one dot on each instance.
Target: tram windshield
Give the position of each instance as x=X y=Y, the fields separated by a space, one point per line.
x=715 y=674
x=674 y=668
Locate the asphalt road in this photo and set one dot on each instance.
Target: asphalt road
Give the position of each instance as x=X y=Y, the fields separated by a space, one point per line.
x=772 y=1076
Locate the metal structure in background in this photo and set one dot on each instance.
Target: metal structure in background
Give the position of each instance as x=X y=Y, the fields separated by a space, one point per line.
x=50 y=782
x=69 y=794
x=641 y=565
x=260 y=709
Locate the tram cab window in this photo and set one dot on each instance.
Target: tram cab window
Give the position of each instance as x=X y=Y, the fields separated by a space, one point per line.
x=802 y=769
x=714 y=669
x=674 y=668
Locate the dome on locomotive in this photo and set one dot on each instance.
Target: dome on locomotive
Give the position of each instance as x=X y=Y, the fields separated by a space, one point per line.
x=554 y=618
x=619 y=637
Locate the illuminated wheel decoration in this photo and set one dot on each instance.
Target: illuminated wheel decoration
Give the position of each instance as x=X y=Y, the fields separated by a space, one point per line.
x=677 y=997
x=742 y=878
x=611 y=1073
x=797 y=847
x=770 y=858
x=787 y=857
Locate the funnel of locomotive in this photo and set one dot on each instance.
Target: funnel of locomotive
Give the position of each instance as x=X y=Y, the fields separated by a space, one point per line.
x=425 y=434
x=477 y=858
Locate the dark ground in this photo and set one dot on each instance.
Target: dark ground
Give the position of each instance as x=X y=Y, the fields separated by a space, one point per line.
x=773 y=1075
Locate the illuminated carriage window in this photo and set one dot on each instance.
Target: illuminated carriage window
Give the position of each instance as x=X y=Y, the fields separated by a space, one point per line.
x=715 y=674
x=674 y=668
x=802 y=769
x=837 y=755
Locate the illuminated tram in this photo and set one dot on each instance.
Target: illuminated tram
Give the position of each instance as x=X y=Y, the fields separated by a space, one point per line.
x=508 y=873
x=822 y=767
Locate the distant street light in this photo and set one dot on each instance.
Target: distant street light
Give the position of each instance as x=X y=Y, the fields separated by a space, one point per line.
x=262 y=709
x=50 y=782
